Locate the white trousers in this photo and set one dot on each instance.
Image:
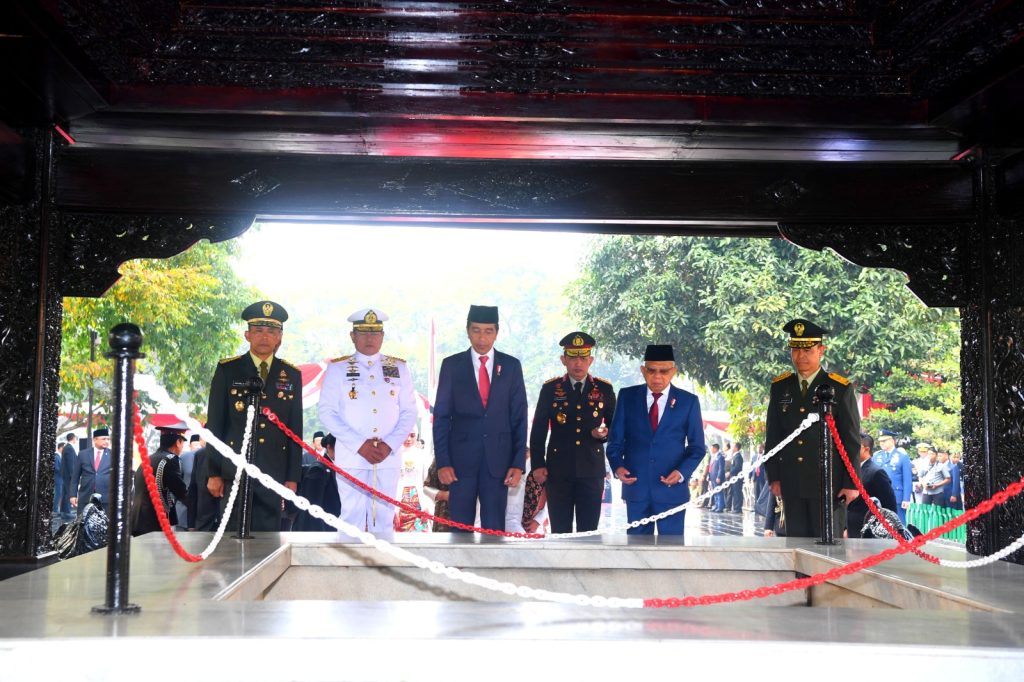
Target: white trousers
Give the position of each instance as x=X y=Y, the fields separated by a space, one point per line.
x=363 y=510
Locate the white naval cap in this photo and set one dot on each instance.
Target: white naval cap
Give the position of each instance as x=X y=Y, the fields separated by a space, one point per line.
x=368 y=320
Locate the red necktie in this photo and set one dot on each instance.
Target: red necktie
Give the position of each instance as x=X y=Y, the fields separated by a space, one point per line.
x=99 y=456
x=485 y=381
x=654 y=412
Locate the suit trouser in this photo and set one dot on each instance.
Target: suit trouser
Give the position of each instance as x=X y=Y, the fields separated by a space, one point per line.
x=489 y=489
x=672 y=525
x=363 y=510
x=803 y=517
x=579 y=495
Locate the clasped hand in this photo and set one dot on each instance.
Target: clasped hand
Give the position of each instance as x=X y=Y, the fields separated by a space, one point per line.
x=374 y=450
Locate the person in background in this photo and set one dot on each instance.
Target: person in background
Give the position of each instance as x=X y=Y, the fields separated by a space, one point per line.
x=876 y=482
x=897 y=465
x=170 y=485
x=319 y=486
x=92 y=473
x=956 y=486
x=437 y=493
x=410 y=486
x=935 y=478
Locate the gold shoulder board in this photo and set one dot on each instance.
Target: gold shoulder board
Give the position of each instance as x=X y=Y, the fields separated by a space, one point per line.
x=343 y=357
x=552 y=379
x=394 y=359
x=784 y=375
x=839 y=378
x=603 y=380
x=229 y=359
x=289 y=364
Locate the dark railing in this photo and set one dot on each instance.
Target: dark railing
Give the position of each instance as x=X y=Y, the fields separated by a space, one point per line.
x=125 y=341
x=825 y=396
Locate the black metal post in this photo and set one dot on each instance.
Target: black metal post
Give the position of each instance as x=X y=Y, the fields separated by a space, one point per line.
x=125 y=341
x=252 y=389
x=93 y=335
x=825 y=396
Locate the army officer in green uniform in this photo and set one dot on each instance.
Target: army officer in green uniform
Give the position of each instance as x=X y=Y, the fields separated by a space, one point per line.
x=793 y=473
x=275 y=453
x=575 y=409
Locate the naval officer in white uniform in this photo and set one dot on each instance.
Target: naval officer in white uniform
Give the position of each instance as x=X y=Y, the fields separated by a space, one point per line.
x=368 y=402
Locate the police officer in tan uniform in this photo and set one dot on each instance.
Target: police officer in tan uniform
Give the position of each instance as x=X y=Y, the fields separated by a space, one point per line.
x=793 y=473
x=570 y=427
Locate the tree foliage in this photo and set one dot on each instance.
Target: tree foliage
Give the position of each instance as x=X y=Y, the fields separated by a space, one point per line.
x=187 y=307
x=723 y=302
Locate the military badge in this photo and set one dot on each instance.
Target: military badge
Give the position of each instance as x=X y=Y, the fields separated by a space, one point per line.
x=595 y=414
x=560 y=418
x=240 y=406
x=268 y=309
x=799 y=328
x=498 y=370
x=352 y=393
x=280 y=394
x=391 y=371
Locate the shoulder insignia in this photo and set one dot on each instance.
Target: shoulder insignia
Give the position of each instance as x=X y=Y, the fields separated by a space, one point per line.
x=339 y=359
x=552 y=379
x=784 y=375
x=394 y=359
x=602 y=380
x=839 y=378
x=229 y=359
x=289 y=364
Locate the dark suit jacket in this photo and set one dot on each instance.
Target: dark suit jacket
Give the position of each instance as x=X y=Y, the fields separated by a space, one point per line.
x=876 y=482
x=677 y=445
x=203 y=508
x=87 y=480
x=68 y=467
x=797 y=465
x=466 y=436
x=571 y=450
x=144 y=518
x=319 y=485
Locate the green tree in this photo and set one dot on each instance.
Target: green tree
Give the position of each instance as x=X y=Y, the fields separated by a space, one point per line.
x=723 y=302
x=187 y=307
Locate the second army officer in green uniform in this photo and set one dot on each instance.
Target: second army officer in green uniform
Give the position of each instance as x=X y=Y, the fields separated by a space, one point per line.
x=576 y=410
x=275 y=453
x=793 y=473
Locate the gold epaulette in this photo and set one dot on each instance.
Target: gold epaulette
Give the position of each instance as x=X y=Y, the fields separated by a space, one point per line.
x=229 y=359
x=394 y=359
x=552 y=379
x=289 y=364
x=343 y=357
x=602 y=380
x=784 y=375
x=839 y=378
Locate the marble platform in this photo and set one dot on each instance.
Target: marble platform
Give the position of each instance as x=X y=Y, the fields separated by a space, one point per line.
x=299 y=606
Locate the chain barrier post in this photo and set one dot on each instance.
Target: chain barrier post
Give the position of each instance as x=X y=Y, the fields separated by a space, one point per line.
x=825 y=396
x=252 y=389
x=125 y=341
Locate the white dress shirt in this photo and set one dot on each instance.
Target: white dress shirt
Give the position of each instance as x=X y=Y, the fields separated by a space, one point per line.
x=476 y=365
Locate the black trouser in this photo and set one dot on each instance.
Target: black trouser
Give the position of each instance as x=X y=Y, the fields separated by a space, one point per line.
x=803 y=517
x=939 y=499
x=579 y=495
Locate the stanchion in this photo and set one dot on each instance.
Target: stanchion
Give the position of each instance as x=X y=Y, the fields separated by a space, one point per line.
x=125 y=341
x=251 y=389
x=825 y=396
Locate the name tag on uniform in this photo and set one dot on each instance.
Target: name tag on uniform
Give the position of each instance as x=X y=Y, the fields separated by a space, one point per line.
x=284 y=386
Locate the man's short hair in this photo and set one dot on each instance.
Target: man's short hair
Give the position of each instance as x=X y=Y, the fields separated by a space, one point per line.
x=71 y=437
x=867 y=441
x=715 y=446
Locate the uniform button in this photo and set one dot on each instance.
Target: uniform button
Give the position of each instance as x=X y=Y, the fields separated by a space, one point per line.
x=799 y=459
x=375 y=410
x=579 y=418
x=577 y=430
x=372 y=377
x=577 y=442
x=373 y=392
x=375 y=429
x=369 y=363
x=262 y=441
x=579 y=407
x=799 y=442
x=803 y=409
x=263 y=426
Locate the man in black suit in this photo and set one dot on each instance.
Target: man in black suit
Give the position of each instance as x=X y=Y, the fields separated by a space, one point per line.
x=92 y=473
x=576 y=408
x=275 y=453
x=734 y=495
x=480 y=424
x=169 y=482
x=793 y=473
x=68 y=463
x=876 y=482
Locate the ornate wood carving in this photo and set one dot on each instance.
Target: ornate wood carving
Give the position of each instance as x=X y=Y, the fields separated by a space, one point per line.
x=97 y=243
x=930 y=255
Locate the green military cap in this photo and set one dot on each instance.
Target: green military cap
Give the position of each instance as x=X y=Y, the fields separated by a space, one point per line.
x=804 y=333
x=577 y=344
x=265 y=314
